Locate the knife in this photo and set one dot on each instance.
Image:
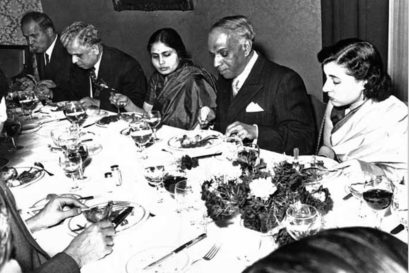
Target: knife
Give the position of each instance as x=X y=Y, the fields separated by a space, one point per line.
x=206 y=156
x=51 y=120
x=121 y=217
x=397 y=229
x=177 y=250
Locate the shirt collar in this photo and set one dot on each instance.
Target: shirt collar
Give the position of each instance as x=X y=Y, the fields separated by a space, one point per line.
x=98 y=64
x=240 y=79
x=50 y=49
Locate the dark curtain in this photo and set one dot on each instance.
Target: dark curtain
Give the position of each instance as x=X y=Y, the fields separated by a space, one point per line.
x=364 y=19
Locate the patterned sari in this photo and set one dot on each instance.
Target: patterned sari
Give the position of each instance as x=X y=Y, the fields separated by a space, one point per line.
x=180 y=95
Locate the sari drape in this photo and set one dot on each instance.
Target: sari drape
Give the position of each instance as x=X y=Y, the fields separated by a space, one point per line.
x=180 y=95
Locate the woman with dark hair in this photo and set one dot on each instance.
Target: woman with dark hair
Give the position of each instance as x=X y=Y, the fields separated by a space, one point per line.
x=178 y=88
x=365 y=126
x=347 y=250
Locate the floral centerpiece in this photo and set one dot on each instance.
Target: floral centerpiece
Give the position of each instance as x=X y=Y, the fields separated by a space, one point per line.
x=262 y=197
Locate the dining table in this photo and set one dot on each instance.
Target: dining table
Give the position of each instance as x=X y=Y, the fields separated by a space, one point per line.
x=161 y=225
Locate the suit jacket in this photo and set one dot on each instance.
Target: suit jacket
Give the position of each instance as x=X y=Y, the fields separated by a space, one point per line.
x=30 y=256
x=118 y=71
x=58 y=70
x=287 y=119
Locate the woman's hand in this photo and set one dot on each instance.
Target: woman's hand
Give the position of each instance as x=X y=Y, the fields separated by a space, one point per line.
x=359 y=171
x=206 y=115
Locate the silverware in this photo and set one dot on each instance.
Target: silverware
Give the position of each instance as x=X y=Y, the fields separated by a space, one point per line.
x=121 y=217
x=177 y=250
x=41 y=166
x=346 y=197
x=206 y=156
x=397 y=229
x=210 y=254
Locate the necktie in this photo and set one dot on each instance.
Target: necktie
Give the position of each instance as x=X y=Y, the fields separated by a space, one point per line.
x=36 y=73
x=47 y=59
x=94 y=87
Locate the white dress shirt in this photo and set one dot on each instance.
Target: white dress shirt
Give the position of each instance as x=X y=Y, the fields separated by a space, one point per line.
x=49 y=51
x=240 y=79
x=96 y=69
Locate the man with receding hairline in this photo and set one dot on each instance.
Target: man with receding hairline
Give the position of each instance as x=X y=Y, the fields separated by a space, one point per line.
x=50 y=60
x=257 y=99
x=100 y=69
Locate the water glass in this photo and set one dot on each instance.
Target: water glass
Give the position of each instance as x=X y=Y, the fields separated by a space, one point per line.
x=153 y=118
x=302 y=220
x=154 y=175
x=141 y=134
x=28 y=102
x=75 y=113
x=71 y=164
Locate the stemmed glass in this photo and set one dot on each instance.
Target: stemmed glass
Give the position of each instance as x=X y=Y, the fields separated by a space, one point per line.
x=154 y=175
x=153 y=118
x=302 y=220
x=75 y=113
x=378 y=194
x=400 y=203
x=141 y=134
x=28 y=102
x=71 y=163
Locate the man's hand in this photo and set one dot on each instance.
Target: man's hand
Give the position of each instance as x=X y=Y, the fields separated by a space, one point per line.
x=87 y=102
x=56 y=210
x=43 y=92
x=94 y=243
x=206 y=115
x=242 y=130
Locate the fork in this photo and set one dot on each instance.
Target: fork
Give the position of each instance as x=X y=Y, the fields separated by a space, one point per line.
x=210 y=254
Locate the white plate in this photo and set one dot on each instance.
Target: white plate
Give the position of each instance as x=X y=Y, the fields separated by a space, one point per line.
x=30 y=127
x=138 y=215
x=175 y=263
x=37 y=177
x=174 y=142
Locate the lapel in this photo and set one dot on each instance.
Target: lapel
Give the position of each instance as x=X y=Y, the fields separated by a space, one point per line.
x=249 y=89
x=55 y=58
x=105 y=69
x=40 y=65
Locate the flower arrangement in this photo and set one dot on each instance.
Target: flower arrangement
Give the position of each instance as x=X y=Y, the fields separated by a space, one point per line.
x=262 y=197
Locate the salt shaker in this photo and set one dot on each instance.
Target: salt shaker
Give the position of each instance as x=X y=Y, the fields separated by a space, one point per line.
x=116 y=175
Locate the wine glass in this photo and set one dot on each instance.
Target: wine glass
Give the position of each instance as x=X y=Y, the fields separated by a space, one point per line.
x=400 y=203
x=75 y=113
x=154 y=175
x=153 y=118
x=28 y=102
x=141 y=134
x=378 y=194
x=71 y=163
x=302 y=220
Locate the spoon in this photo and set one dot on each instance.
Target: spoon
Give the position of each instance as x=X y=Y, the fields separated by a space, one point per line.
x=38 y=164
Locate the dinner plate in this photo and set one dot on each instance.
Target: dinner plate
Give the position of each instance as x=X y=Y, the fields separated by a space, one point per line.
x=20 y=170
x=30 y=127
x=138 y=215
x=175 y=263
x=176 y=141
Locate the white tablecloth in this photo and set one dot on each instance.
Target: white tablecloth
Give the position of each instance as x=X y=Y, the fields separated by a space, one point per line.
x=166 y=228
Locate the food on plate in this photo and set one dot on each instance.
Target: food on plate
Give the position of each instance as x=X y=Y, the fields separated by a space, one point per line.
x=107 y=120
x=13 y=179
x=99 y=212
x=195 y=141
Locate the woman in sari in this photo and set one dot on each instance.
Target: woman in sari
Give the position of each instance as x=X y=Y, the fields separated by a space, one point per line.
x=365 y=126
x=178 y=89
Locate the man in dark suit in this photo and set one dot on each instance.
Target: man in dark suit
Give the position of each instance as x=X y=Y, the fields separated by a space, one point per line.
x=49 y=59
x=257 y=99
x=100 y=69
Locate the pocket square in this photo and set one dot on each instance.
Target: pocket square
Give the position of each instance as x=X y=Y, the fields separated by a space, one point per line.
x=254 y=107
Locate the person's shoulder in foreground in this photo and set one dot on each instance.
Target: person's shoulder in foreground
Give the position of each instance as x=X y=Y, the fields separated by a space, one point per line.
x=347 y=250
